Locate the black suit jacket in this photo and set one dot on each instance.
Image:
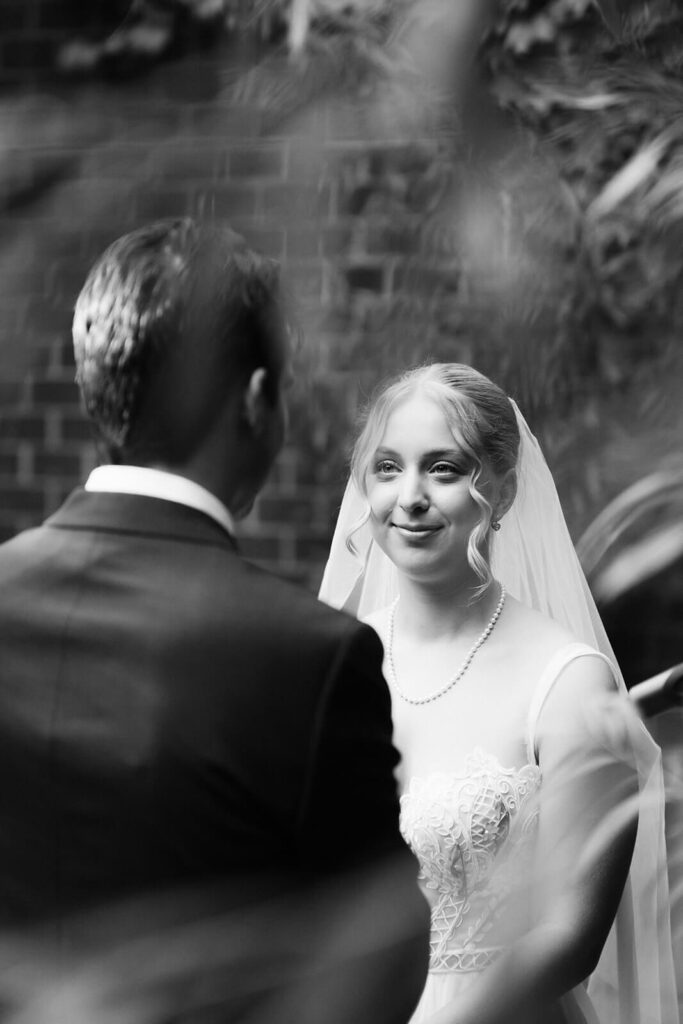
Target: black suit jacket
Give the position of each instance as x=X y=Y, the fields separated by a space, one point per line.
x=171 y=715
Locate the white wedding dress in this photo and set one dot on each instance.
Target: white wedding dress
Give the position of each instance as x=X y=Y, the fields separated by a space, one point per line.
x=473 y=832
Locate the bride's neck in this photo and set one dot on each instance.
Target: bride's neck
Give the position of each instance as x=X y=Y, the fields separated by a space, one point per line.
x=430 y=613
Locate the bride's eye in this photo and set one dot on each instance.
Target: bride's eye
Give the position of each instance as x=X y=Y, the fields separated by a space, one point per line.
x=446 y=469
x=385 y=467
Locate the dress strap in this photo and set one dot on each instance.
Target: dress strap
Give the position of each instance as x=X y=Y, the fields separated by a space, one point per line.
x=551 y=673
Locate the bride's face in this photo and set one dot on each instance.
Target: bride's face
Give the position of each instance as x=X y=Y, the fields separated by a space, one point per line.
x=421 y=508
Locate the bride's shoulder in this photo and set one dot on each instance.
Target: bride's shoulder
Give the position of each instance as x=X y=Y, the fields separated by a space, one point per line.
x=536 y=627
x=563 y=668
x=553 y=643
x=545 y=646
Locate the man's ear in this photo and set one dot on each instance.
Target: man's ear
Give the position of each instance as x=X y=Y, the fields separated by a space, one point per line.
x=255 y=404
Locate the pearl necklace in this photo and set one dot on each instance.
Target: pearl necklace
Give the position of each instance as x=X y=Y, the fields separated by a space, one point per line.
x=461 y=671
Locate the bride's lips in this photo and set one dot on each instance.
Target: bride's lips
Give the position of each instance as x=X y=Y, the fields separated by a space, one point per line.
x=415 y=531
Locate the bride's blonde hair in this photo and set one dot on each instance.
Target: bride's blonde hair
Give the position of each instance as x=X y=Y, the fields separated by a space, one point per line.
x=483 y=423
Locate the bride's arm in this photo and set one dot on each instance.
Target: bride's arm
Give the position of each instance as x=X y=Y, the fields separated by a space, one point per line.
x=585 y=843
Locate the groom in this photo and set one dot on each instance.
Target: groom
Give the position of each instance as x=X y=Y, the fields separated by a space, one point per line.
x=170 y=716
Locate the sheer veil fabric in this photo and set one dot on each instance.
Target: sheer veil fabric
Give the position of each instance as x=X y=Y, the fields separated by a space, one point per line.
x=534 y=557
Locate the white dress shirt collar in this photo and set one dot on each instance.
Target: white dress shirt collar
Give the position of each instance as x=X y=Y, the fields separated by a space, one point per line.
x=157 y=483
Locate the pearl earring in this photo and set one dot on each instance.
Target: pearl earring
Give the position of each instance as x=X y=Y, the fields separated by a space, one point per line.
x=495 y=525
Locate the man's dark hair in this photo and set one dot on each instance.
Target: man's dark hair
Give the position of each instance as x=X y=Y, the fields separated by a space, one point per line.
x=172 y=291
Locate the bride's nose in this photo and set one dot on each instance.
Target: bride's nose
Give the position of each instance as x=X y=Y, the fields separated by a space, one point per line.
x=413 y=496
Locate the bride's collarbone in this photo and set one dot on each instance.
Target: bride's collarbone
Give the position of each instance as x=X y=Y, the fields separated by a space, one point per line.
x=486 y=708
x=487 y=711
x=429 y=668
x=504 y=668
x=466 y=713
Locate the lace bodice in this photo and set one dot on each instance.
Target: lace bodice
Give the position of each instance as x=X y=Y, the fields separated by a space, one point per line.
x=472 y=833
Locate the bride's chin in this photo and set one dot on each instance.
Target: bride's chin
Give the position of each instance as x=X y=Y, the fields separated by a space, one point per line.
x=415 y=561
x=415 y=565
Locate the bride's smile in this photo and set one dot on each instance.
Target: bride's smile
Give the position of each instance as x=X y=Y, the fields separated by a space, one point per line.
x=417 y=531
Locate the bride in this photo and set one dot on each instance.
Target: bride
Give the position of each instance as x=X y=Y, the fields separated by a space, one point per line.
x=531 y=795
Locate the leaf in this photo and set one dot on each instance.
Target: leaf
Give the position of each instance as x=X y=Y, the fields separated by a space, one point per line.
x=631 y=177
x=593 y=101
x=664 y=201
x=299 y=20
x=524 y=35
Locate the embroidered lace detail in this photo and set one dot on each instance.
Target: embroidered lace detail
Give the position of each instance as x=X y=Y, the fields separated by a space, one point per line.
x=462 y=960
x=472 y=833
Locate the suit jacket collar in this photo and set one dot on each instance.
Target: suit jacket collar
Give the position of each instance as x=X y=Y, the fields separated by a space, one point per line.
x=114 y=512
x=158 y=483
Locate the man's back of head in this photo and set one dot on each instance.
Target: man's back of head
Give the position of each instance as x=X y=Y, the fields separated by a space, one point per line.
x=172 y=325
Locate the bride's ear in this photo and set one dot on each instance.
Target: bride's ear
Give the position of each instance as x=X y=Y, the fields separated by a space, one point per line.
x=507 y=490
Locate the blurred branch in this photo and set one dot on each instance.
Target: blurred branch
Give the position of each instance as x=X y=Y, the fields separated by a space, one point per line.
x=299 y=20
x=612 y=12
x=651 y=493
x=635 y=173
x=660 y=693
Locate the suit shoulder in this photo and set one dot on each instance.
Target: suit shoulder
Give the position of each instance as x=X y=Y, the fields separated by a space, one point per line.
x=292 y=602
x=21 y=541
x=19 y=553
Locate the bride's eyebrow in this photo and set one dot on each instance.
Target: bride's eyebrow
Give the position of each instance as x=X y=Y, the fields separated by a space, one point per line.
x=453 y=454
x=444 y=453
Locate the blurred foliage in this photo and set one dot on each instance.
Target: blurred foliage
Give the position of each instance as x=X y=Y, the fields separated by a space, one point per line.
x=607 y=112
x=151 y=30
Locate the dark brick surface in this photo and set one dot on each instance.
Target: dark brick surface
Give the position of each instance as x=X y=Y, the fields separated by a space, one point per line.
x=55 y=392
x=22 y=427
x=58 y=14
x=56 y=464
x=265 y=161
x=194 y=163
x=227 y=201
x=8 y=464
x=268 y=240
x=154 y=204
x=367 y=276
x=19 y=51
x=286 y=510
x=29 y=500
x=12 y=390
x=76 y=428
x=13 y=17
x=303 y=243
x=301 y=202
